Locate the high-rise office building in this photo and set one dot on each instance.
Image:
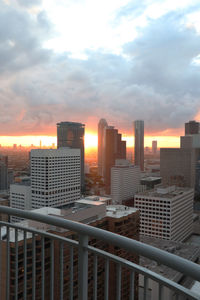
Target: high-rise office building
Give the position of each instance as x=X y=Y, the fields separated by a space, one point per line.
x=114 y=148
x=192 y=127
x=125 y=180
x=139 y=143
x=154 y=147
x=71 y=134
x=101 y=127
x=179 y=165
x=166 y=212
x=55 y=177
x=3 y=172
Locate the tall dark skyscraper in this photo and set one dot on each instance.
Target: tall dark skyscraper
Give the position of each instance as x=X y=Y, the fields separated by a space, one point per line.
x=192 y=127
x=114 y=148
x=139 y=143
x=71 y=134
x=101 y=127
x=154 y=147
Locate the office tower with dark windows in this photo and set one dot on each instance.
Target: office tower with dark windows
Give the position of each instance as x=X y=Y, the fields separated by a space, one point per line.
x=71 y=134
x=192 y=127
x=154 y=147
x=139 y=143
x=101 y=127
x=114 y=148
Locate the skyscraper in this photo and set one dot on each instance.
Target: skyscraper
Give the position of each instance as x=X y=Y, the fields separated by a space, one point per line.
x=71 y=134
x=180 y=165
x=154 y=147
x=192 y=127
x=114 y=148
x=139 y=143
x=101 y=127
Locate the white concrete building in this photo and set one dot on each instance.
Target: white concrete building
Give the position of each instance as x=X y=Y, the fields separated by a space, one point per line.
x=166 y=212
x=125 y=180
x=55 y=177
x=20 y=197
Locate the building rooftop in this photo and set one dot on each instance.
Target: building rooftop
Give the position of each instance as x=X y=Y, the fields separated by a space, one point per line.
x=70 y=124
x=62 y=151
x=48 y=211
x=89 y=202
x=151 y=178
x=118 y=211
x=165 y=192
x=122 y=163
x=3 y=200
x=185 y=250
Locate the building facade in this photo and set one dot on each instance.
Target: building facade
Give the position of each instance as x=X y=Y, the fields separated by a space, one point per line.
x=177 y=166
x=125 y=179
x=192 y=127
x=71 y=134
x=114 y=148
x=55 y=177
x=101 y=127
x=139 y=143
x=154 y=147
x=166 y=212
x=20 y=197
x=118 y=219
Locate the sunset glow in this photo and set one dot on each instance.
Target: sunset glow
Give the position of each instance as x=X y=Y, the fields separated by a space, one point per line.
x=91 y=141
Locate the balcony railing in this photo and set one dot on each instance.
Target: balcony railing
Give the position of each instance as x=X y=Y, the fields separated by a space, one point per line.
x=36 y=264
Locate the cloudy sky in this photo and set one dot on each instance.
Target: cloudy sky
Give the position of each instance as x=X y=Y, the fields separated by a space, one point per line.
x=81 y=60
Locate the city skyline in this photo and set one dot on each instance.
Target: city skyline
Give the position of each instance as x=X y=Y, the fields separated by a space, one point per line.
x=91 y=141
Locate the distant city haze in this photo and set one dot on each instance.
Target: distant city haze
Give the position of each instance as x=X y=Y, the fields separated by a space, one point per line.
x=91 y=140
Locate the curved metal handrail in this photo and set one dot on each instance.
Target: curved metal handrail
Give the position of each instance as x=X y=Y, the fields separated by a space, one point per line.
x=173 y=261
x=41 y=233
x=146 y=272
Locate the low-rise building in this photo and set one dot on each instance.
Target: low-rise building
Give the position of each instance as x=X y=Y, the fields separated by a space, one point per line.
x=188 y=251
x=166 y=212
x=20 y=197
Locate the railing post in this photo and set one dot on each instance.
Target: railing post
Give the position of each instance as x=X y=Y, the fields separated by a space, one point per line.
x=83 y=268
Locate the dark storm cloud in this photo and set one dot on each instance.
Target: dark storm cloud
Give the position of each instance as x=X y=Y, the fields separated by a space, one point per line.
x=154 y=79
